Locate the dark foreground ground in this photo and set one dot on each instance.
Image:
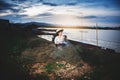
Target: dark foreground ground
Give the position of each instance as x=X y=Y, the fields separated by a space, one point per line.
x=100 y=64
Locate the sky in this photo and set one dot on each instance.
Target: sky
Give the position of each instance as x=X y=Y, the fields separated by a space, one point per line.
x=106 y=13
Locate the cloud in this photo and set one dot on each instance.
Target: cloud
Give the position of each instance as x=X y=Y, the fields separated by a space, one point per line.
x=8 y=8
x=5 y=6
x=103 y=21
x=46 y=14
x=59 y=2
x=5 y=13
x=13 y=18
x=35 y=10
x=92 y=17
x=71 y=4
x=50 y=4
x=110 y=19
x=113 y=4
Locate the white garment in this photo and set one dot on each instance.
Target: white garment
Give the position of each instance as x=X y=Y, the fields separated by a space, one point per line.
x=59 y=40
x=65 y=42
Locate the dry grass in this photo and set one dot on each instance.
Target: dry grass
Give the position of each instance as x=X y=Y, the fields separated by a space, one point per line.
x=39 y=61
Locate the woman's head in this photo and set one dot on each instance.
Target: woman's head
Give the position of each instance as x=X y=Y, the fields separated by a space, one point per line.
x=59 y=32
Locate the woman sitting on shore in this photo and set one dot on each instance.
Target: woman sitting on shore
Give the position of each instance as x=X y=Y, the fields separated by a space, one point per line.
x=64 y=49
x=60 y=40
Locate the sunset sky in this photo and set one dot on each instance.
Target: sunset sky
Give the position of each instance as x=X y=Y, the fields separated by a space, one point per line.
x=62 y=12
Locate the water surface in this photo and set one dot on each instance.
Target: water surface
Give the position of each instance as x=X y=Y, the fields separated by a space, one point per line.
x=105 y=38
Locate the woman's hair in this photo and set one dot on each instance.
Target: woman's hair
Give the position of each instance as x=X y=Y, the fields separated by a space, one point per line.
x=56 y=34
x=53 y=38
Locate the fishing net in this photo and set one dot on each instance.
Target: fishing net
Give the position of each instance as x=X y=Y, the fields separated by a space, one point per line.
x=67 y=53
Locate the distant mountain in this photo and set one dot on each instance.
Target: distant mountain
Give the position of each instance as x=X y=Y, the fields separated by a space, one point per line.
x=38 y=24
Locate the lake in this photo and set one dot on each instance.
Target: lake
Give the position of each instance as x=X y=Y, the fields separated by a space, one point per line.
x=103 y=38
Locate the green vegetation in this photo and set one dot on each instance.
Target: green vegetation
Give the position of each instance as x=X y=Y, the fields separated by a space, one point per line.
x=50 y=67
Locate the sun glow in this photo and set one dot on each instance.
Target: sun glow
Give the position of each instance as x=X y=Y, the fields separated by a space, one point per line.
x=67 y=20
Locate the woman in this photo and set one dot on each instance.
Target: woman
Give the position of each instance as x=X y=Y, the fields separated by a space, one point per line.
x=64 y=49
x=59 y=39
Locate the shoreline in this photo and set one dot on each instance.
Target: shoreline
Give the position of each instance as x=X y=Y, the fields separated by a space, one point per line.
x=103 y=43
x=90 y=46
x=85 y=45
